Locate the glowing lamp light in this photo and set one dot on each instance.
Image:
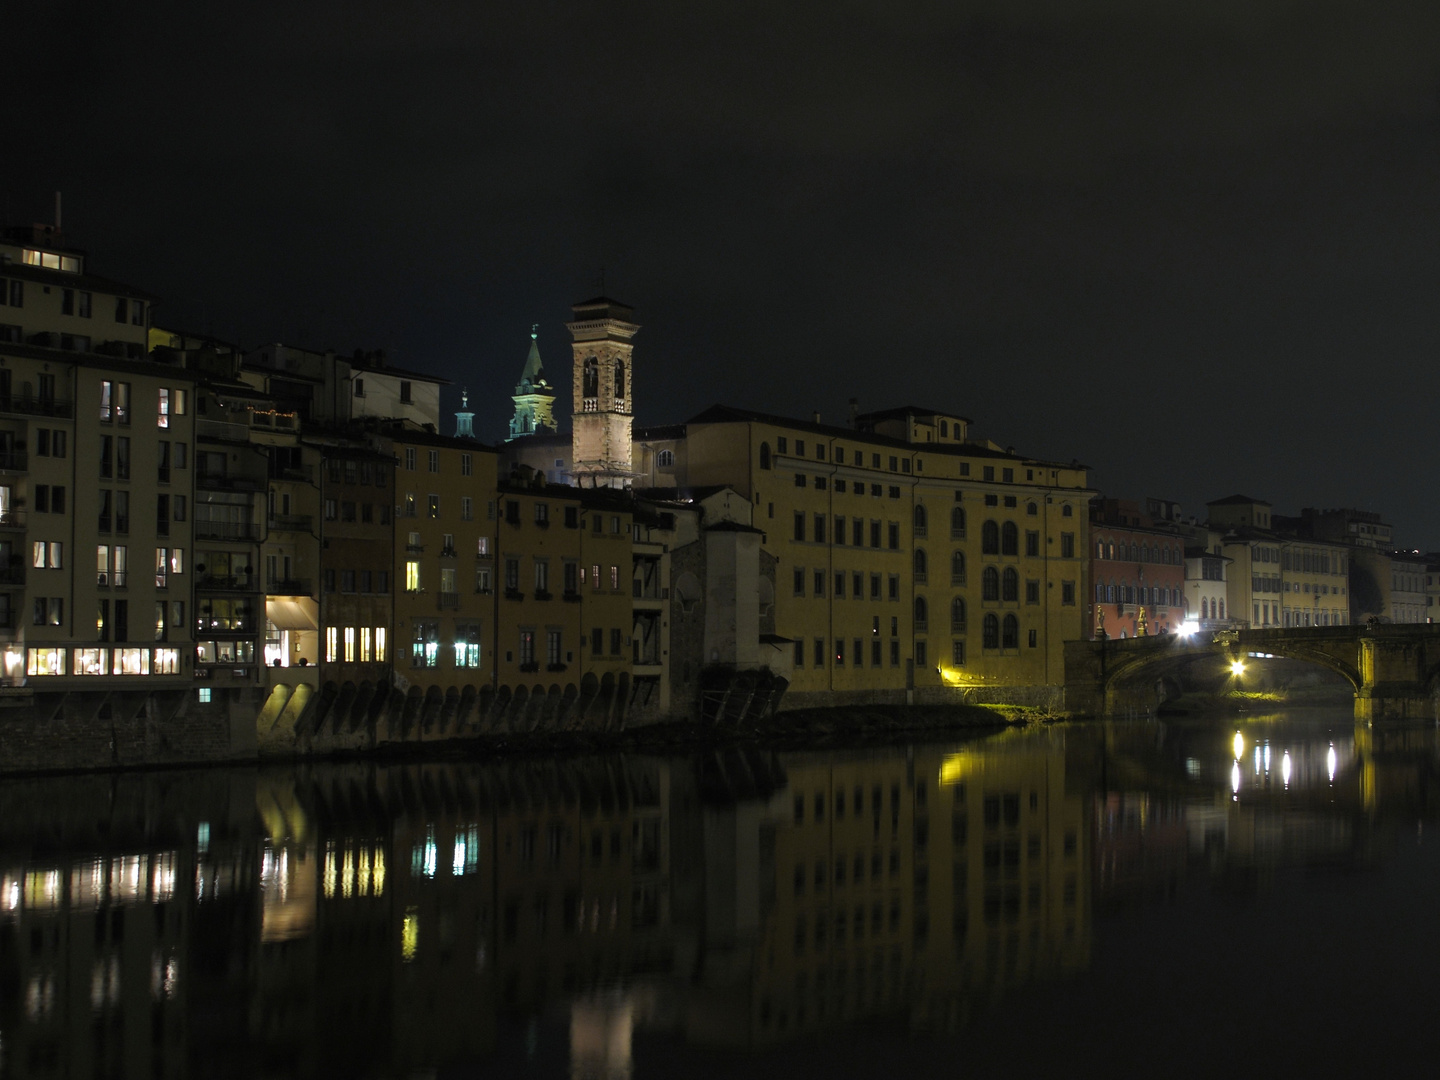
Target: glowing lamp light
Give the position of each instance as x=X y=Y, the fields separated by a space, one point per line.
x=1239 y=745
x=1237 y=667
x=1188 y=628
x=1330 y=761
x=1285 y=768
x=1235 y=780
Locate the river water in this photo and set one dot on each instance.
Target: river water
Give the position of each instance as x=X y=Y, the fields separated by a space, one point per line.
x=1194 y=898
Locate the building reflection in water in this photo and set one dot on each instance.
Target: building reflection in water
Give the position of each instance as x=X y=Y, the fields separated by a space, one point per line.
x=213 y=923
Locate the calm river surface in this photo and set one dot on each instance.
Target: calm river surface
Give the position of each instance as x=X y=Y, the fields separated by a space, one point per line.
x=1201 y=897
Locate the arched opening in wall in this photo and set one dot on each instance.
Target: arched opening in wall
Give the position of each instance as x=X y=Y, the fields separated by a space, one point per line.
x=764 y=455
x=590 y=379
x=410 y=717
x=957 y=523
x=550 y=715
x=537 y=707
x=343 y=704
x=1010 y=634
x=434 y=702
x=605 y=704
x=621 y=390
x=990 y=538
x=766 y=596
x=688 y=591
x=569 y=711
x=1009 y=539
x=450 y=710
x=325 y=706
x=493 y=703
x=468 y=698
x=364 y=705
x=622 y=697
x=519 y=703
x=589 y=696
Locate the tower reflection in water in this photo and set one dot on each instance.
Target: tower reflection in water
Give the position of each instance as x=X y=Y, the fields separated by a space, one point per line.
x=377 y=920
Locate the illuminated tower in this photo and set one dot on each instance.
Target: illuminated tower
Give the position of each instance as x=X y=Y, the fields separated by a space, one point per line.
x=464 y=419
x=600 y=436
x=534 y=397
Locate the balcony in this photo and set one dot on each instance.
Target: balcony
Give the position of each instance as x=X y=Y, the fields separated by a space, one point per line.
x=12 y=519
x=226 y=530
x=448 y=601
x=220 y=431
x=232 y=583
x=28 y=406
x=543 y=594
x=12 y=576
x=223 y=626
x=219 y=481
x=13 y=461
x=302 y=474
x=291 y=523
x=290 y=587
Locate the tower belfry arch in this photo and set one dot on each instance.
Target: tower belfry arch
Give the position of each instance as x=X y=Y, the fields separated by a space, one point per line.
x=601 y=448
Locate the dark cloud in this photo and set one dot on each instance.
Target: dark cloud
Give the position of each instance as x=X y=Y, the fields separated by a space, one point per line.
x=1191 y=245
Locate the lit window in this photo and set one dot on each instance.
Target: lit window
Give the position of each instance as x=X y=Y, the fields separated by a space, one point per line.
x=163 y=418
x=380 y=656
x=412 y=575
x=332 y=644
x=349 y=644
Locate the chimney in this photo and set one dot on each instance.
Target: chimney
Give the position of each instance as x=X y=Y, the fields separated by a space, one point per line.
x=854 y=410
x=817 y=416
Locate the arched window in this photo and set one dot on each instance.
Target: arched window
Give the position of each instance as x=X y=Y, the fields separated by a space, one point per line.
x=1222 y=609
x=990 y=584
x=1110 y=593
x=1110 y=551
x=666 y=459
x=944 y=429
x=957 y=523
x=921 y=567
x=1100 y=592
x=590 y=382
x=1145 y=553
x=957 y=615
x=1066 y=511
x=764 y=455
x=1009 y=539
x=1011 y=637
x=1010 y=585
x=1099 y=549
x=919 y=520
x=990 y=634
x=990 y=538
x=1031 y=509
x=957 y=568
x=922 y=614
x=620 y=394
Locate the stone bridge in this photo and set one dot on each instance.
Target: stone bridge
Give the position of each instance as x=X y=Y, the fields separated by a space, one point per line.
x=1393 y=669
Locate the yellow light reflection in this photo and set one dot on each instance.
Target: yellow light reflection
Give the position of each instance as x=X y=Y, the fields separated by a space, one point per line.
x=1330 y=761
x=1235 y=780
x=1285 y=768
x=1239 y=745
x=377 y=871
x=409 y=935
x=955 y=768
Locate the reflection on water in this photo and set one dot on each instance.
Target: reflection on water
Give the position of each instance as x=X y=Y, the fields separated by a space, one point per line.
x=217 y=923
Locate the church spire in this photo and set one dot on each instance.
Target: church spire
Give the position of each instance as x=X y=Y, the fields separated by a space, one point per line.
x=534 y=397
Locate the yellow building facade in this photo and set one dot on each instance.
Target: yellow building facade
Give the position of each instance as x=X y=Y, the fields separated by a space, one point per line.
x=907 y=561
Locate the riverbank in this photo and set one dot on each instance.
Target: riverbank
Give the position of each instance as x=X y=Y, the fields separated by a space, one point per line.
x=1229 y=702
x=799 y=729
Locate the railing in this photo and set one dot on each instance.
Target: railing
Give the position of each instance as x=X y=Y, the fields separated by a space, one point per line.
x=13 y=460
x=447 y=601
x=12 y=575
x=226 y=481
x=232 y=583
x=26 y=406
x=290 y=522
x=226 y=530
x=220 y=431
x=290 y=587
x=205 y=626
x=12 y=519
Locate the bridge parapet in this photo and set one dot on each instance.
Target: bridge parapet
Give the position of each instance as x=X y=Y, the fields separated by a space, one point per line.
x=1394 y=669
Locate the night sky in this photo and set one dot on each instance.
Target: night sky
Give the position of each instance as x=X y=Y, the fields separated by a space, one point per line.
x=1195 y=246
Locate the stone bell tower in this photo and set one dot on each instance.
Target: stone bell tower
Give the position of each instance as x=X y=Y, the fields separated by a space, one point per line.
x=600 y=450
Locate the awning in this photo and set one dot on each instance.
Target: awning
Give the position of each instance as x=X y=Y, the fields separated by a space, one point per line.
x=302 y=613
